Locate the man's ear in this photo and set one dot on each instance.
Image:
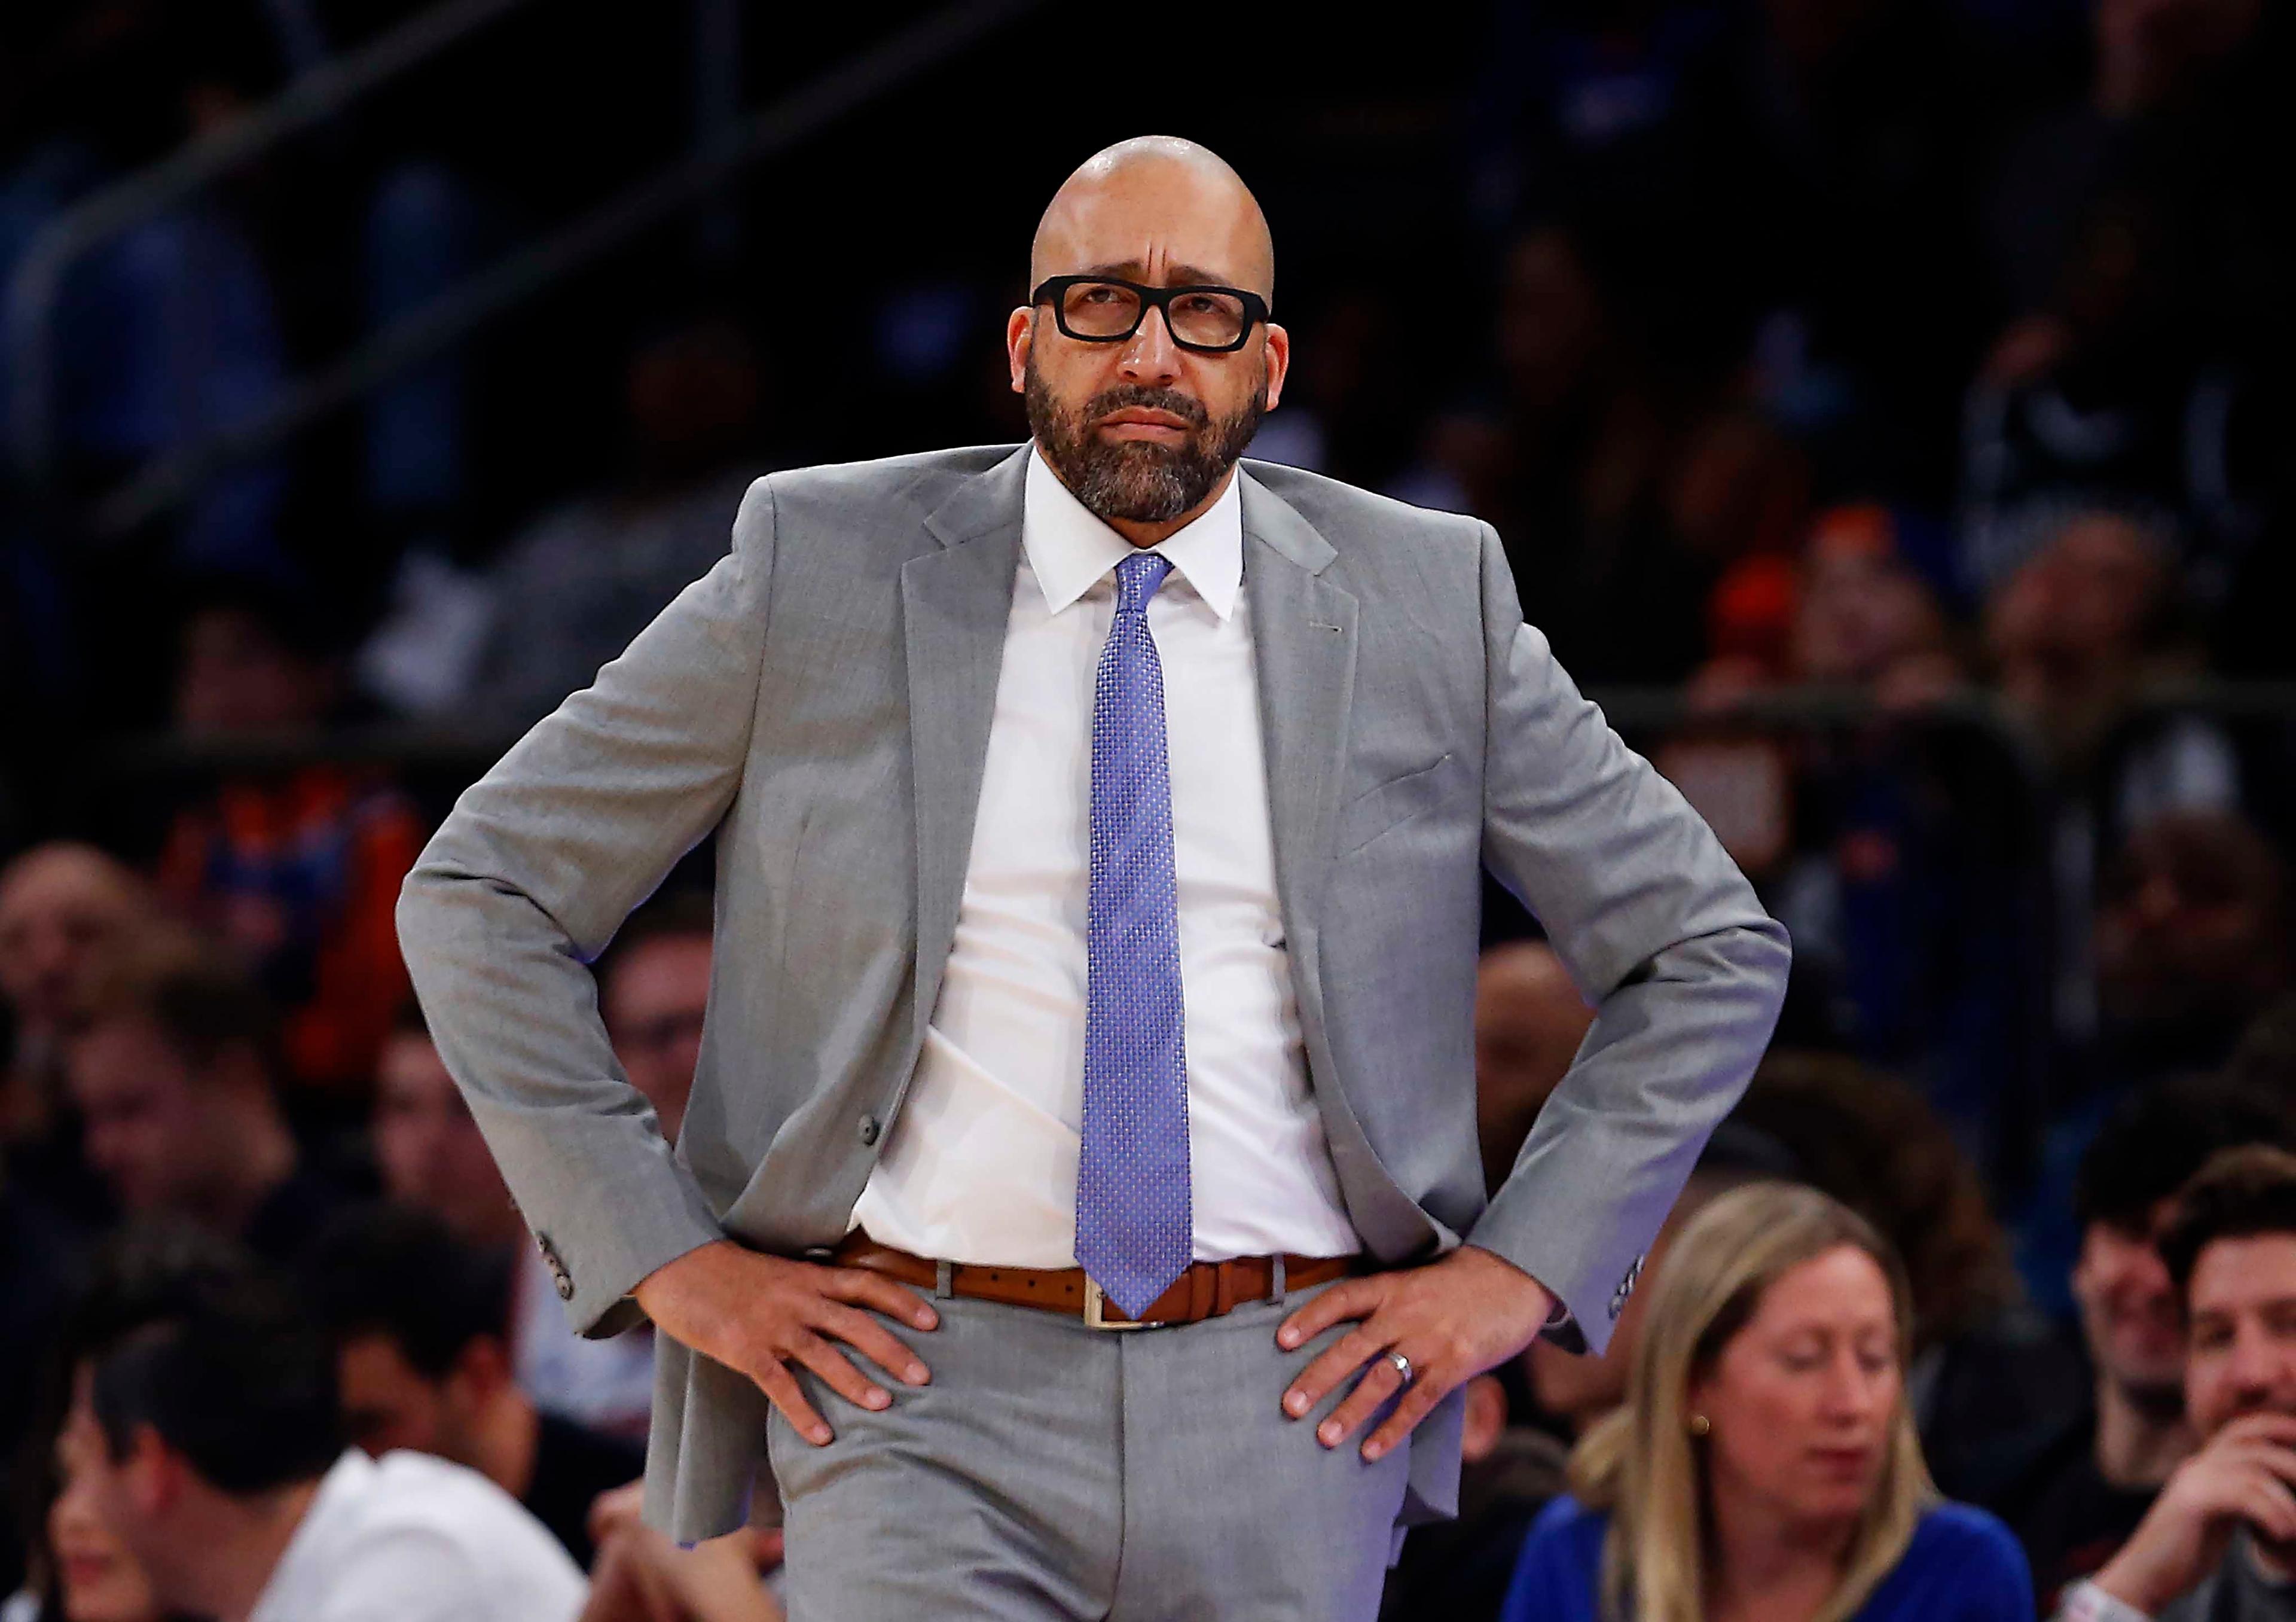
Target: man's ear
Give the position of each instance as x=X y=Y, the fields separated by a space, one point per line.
x=154 y=1474
x=482 y=1368
x=1019 y=335
x=1278 y=349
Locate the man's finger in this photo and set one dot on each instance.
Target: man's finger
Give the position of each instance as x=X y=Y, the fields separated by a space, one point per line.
x=1348 y=1298
x=862 y=1287
x=1331 y=1366
x=782 y=1390
x=2259 y=1426
x=2266 y=1503
x=838 y=1375
x=1380 y=1382
x=871 y=1338
x=1417 y=1403
x=2279 y=1458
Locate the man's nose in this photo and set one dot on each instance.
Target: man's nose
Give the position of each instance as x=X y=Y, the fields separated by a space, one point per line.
x=1150 y=355
x=2150 y=1274
x=2258 y=1368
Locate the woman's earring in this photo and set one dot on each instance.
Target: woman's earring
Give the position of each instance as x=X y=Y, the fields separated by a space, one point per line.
x=1700 y=1424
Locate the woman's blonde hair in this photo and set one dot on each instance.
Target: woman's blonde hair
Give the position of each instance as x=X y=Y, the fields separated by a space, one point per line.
x=1641 y=1464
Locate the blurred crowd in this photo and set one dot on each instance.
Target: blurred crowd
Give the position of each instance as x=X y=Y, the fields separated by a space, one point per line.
x=1922 y=364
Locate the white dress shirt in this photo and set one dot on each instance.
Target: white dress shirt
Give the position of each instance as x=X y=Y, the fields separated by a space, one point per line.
x=981 y=1165
x=411 y=1538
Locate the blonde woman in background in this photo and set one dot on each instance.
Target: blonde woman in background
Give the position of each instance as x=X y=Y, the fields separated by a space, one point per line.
x=1764 y=1467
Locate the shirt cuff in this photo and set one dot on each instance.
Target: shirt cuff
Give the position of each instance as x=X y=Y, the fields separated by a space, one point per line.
x=1562 y=1331
x=2085 y=1602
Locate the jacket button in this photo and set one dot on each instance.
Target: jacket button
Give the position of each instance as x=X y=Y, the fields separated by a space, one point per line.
x=869 y=1129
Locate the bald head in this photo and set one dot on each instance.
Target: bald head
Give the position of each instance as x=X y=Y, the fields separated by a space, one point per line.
x=65 y=909
x=1143 y=427
x=1152 y=206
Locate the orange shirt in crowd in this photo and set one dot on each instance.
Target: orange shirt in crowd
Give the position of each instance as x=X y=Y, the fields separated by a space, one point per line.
x=301 y=874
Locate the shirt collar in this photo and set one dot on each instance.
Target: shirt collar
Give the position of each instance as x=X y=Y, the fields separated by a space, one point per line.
x=1070 y=549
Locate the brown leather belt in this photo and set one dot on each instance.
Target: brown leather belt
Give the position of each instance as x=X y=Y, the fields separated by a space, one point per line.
x=1206 y=1290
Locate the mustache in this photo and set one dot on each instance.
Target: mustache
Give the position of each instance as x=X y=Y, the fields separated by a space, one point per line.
x=1127 y=397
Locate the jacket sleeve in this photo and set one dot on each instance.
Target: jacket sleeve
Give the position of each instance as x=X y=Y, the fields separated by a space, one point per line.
x=526 y=883
x=1659 y=930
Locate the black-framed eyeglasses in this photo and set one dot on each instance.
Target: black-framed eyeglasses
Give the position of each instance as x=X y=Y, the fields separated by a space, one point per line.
x=1103 y=310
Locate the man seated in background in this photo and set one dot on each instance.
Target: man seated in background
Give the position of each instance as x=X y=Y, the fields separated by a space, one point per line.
x=202 y=1432
x=174 y=1075
x=416 y=1319
x=433 y=1158
x=652 y=987
x=2087 y=1492
x=430 y=1151
x=1529 y=1020
x=2220 y=1542
x=67 y=912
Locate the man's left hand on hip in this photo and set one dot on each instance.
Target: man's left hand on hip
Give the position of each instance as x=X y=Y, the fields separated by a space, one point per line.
x=1450 y=1319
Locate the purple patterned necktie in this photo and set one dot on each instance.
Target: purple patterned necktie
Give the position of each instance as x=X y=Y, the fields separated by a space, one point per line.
x=1135 y=1230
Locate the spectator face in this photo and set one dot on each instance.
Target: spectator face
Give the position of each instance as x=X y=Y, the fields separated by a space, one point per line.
x=237 y=677
x=147 y=1131
x=1802 y=1398
x=100 y=1579
x=2128 y=1310
x=1861 y=610
x=64 y=912
x=655 y=1001
x=389 y=1403
x=1144 y=430
x=108 y=1506
x=2241 y=1355
x=2087 y=596
x=2188 y=927
x=431 y=1154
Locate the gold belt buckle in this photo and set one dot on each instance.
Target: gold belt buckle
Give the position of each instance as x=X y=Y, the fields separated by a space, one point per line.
x=1096 y=1310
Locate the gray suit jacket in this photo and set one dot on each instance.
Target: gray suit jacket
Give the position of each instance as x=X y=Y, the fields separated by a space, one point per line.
x=821 y=702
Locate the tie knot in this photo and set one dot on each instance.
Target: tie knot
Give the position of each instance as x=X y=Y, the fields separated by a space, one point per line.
x=1137 y=579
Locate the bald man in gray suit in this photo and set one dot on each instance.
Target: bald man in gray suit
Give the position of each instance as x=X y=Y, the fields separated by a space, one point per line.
x=1079 y=1210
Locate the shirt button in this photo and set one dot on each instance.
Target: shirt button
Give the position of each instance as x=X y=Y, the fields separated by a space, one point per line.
x=869 y=1129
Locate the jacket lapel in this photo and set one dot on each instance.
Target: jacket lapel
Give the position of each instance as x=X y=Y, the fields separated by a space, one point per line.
x=1304 y=630
x=954 y=603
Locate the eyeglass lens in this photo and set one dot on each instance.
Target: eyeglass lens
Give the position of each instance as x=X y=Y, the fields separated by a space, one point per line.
x=1107 y=309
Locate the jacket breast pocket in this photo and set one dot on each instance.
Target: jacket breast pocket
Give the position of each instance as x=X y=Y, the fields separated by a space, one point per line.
x=1398 y=800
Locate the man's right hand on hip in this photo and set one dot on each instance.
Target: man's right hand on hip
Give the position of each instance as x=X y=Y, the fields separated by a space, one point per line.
x=759 y=1314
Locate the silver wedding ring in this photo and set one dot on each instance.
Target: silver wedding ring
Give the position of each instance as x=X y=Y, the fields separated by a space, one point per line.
x=1402 y=1365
